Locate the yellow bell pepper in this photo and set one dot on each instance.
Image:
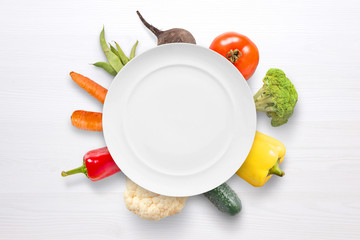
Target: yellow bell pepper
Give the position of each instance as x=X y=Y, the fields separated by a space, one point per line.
x=263 y=160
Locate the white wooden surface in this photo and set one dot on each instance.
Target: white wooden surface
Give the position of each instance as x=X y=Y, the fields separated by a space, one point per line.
x=315 y=42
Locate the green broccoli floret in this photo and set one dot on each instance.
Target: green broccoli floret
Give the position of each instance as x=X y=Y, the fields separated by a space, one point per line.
x=277 y=98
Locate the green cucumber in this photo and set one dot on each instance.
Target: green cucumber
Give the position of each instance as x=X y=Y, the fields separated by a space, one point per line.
x=225 y=199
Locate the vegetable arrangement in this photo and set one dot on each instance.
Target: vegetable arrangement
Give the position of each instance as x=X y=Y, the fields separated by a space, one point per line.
x=115 y=56
x=90 y=86
x=174 y=35
x=97 y=164
x=149 y=205
x=277 y=98
x=239 y=50
x=263 y=161
x=91 y=121
x=225 y=199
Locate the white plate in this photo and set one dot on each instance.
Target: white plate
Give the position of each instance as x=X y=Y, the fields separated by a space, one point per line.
x=179 y=120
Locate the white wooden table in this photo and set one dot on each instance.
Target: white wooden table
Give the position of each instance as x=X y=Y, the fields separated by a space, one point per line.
x=317 y=43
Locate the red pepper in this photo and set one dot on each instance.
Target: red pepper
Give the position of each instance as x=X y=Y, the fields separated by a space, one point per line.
x=98 y=164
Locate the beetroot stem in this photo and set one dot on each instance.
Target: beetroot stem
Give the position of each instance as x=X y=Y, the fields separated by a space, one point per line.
x=153 y=29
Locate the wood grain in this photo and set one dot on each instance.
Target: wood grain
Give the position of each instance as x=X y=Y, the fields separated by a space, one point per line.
x=315 y=42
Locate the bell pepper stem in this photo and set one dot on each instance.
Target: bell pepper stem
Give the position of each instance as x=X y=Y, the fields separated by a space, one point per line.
x=275 y=170
x=81 y=169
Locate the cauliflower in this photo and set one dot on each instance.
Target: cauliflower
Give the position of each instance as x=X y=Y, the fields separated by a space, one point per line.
x=149 y=205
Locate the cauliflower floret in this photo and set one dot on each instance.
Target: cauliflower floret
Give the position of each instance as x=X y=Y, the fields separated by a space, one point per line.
x=149 y=205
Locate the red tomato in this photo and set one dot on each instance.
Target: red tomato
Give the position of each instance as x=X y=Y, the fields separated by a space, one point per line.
x=239 y=50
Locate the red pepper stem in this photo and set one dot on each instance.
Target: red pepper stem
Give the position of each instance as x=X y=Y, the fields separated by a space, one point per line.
x=275 y=170
x=81 y=169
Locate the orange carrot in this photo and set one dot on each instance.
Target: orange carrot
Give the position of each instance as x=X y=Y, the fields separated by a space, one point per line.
x=91 y=121
x=90 y=86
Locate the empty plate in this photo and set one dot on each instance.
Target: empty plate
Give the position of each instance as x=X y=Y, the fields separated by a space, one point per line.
x=179 y=119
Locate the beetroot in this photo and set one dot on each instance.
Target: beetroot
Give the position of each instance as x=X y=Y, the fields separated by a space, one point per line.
x=174 y=35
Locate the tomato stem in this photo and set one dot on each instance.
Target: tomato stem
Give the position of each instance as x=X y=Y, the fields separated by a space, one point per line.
x=233 y=55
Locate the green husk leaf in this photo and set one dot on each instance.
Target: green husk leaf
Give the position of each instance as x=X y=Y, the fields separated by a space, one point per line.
x=112 y=58
x=124 y=59
x=113 y=49
x=106 y=66
x=133 y=50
